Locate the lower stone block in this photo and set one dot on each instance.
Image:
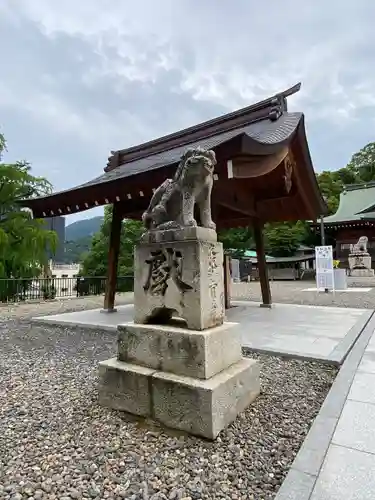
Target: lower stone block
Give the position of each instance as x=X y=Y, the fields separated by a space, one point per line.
x=362 y=273
x=205 y=407
x=126 y=387
x=191 y=353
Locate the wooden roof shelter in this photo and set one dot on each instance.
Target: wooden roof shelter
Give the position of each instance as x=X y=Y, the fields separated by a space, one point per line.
x=264 y=169
x=264 y=173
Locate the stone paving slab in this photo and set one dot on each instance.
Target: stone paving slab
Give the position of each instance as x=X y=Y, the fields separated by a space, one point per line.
x=307 y=332
x=346 y=475
x=91 y=318
x=337 y=458
x=313 y=332
x=350 y=290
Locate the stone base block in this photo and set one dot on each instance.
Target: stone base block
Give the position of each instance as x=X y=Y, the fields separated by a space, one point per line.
x=125 y=387
x=183 y=234
x=192 y=353
x=360 y=265
x=362 y=273
x=205 y=407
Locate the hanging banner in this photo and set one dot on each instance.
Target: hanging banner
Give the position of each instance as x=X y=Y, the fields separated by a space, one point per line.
x=324 y=268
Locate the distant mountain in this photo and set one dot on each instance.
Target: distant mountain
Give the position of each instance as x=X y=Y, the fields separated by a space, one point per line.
x=83 y=228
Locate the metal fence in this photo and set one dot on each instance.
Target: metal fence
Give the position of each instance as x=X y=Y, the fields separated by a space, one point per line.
x=25 y=289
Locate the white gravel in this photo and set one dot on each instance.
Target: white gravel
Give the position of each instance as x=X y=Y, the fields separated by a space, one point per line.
x=292 y=292
x=56 y=442
x=24 y=310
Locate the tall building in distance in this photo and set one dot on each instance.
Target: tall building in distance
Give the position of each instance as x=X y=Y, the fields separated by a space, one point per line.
x=57 y=224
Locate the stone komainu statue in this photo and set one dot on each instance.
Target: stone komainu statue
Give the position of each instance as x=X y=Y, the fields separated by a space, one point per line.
x=360 y=246
x=172 y=205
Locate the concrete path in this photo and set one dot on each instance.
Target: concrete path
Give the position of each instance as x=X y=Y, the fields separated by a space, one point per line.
x=310 y=332
x=337 y=459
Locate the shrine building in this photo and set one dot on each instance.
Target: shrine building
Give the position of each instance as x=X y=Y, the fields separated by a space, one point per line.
x=264 y=173
x=355 y=217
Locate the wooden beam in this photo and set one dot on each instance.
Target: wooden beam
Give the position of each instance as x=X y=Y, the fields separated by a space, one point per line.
x=247 y=167
x=262 y=264
x=113 y=253
x=234 y=196
x=231 y=223
x=238 y=207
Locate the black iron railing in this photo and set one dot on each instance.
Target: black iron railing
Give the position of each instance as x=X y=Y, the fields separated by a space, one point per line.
x=25 y=289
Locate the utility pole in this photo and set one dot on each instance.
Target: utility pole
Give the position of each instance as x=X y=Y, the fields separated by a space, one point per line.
x=322 y=233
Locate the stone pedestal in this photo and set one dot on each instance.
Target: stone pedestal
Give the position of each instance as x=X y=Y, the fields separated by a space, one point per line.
x=187 y=372
x=191 y=353
x=189 y=380
x=205 y=407
x=180 y=273
x=362 y=273
x=360 y=265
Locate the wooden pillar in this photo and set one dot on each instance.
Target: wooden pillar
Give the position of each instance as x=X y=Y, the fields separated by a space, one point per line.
x=113 y=253
x=262 y=265
x=227 y=281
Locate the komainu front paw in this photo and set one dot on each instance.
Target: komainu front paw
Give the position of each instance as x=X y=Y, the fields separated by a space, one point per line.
x=191 y=223
x=210 y=224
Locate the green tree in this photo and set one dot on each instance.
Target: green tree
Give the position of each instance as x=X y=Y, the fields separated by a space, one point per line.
x=331 y=185
x=96 y=260
x=362 y=164
x=237 y=240
x=75 y=251
x=284 y=238
x=23 y=240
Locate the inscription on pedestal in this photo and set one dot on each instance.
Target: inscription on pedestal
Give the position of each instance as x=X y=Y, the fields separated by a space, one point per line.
x=185 y=280
x=212 y=269
x=164 y=264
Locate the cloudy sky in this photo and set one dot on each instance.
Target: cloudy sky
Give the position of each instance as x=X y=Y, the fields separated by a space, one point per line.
x=82 y=77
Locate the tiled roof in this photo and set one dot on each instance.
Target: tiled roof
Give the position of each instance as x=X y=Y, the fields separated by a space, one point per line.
x=353 y=200
x=265 y=132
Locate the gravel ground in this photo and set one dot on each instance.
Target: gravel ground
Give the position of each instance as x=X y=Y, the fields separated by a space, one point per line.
x=291 y=292
x=27 y=310
x=57 y=443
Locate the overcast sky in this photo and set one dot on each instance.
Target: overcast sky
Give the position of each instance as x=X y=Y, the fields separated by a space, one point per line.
x=79 y=78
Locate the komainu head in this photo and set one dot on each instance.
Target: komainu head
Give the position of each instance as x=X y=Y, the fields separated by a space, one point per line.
x=197 y=159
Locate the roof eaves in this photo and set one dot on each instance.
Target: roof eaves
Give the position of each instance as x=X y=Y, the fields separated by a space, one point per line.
x=355 y=187
x=368 y=209
x=263 y=134
x=270 y=108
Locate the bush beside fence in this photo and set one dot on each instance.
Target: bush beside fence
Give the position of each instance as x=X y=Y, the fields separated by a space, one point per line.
x=25 y=289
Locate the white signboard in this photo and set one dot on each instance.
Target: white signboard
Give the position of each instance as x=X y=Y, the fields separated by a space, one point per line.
x=324 y=268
